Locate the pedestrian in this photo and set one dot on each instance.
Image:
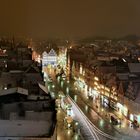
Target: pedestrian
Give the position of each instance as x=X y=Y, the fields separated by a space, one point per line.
x=97 y=106
x=131 y=124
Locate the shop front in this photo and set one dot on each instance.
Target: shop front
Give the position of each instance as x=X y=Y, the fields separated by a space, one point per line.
x=119 y=108
x=113 y=105
x=131 y=117
x=104 y=101
x=93 y=93
x=81 y=85
x=138 y=119
x=90 y=92
x=135 y=119
x=125 y=111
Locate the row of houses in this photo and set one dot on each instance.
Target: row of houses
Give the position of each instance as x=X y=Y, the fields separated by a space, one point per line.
x=114 y=83
x=27 y=110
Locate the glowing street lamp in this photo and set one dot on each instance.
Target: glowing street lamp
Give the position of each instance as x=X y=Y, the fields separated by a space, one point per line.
x=96 y=78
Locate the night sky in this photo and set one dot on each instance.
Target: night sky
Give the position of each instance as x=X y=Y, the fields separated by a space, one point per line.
x=69 y=18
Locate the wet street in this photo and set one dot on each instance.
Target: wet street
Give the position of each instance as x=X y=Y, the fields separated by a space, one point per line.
x=102 y=126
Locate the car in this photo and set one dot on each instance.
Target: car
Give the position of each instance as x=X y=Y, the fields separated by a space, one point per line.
x=114 y=119
x=135 y=124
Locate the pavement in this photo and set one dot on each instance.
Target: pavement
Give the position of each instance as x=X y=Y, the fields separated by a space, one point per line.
x=64 y=133
x=125 y=128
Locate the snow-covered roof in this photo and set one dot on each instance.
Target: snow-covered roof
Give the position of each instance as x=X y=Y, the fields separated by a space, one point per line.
x=44 y=53
x=134 y=67
x=43 y=88
x=52 y=53
x=14 y=90
x=15 y=71
x=123 y=76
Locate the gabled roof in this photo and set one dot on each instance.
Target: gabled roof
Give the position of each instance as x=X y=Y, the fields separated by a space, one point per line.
x=52 y=53
x=32 y=69
x=44 y=53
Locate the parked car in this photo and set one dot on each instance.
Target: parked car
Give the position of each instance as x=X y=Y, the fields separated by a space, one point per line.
x=114 y=119
x=135 y=124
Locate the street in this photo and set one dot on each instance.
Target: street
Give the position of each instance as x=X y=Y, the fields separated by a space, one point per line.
x=101 y=125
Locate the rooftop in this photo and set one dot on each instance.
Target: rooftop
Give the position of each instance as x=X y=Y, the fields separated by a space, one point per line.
x=134 y=67
x=18 y=90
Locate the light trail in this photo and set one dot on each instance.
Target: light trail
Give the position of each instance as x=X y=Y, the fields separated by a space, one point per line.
x=92 y=128
x=90 y=134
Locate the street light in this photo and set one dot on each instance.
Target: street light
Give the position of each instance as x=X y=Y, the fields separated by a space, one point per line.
x=96 y=78
x=67 y=90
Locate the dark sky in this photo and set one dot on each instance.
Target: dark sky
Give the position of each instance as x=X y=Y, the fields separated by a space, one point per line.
x=69 y=18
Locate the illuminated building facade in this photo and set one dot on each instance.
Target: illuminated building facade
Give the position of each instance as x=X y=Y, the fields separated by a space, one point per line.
x=49 y=58
x=108 y=89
